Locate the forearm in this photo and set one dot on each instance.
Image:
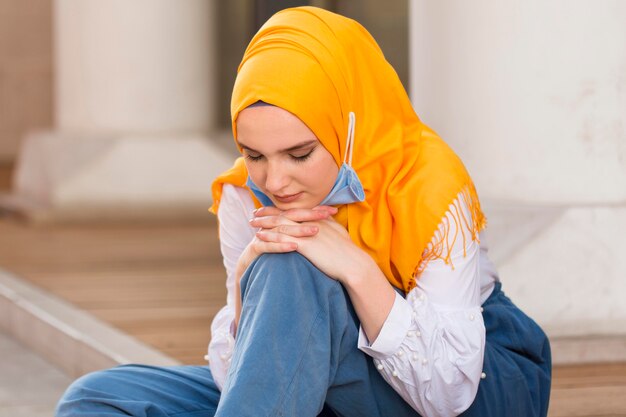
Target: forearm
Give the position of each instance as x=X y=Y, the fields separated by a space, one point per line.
x=220 y=348
x=241 y=267
x=435 y=361
x=371 y=295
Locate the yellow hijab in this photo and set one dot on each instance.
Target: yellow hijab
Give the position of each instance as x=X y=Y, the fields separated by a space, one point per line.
x=321 y=66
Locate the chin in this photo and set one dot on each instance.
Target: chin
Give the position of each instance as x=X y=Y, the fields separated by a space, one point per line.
x=295 y=205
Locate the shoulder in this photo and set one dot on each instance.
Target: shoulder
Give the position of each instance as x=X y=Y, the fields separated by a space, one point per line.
x=233 y=214
x=236 y=205
x=235 y=199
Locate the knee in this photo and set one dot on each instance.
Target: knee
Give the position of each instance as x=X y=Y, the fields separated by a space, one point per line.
x=286 y=261
x=94 y=393
x=77 y=394
x=288 y=272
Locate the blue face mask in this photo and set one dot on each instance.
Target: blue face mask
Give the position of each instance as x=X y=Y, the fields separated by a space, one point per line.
x=347 y=188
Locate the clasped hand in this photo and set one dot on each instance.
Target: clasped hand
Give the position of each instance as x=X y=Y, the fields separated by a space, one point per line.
x=311 y=232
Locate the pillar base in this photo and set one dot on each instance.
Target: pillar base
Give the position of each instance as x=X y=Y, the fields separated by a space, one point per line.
x=60 y=177
x=563 y=265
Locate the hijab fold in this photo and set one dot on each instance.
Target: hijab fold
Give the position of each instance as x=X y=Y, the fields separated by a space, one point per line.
x=321 y=66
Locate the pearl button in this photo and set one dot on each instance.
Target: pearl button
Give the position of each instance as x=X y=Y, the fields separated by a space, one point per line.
x=424 y=361
x=394 y=373
x=482 y=309
x=415 y=357
x=379 y=366
x=471 y=317
x=418 y=333
x=400 y=353
x=409 y=333
x=421 y=297
x=483 y=375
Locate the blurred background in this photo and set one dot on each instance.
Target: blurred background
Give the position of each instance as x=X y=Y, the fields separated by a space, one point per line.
x=114 y=119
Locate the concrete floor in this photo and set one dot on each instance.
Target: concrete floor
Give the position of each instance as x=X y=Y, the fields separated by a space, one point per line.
x=29 y=386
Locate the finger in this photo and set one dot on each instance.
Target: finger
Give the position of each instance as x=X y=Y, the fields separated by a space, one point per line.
x=330 y=209
x=297 y=230
x=270 y=222
x=289 y=217
x=267 y=211
x=316 y=213
x=263 y=246
x=306 y=215
x=278 y=237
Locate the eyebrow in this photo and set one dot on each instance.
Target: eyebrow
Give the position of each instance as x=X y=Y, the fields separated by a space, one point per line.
x=299 y=146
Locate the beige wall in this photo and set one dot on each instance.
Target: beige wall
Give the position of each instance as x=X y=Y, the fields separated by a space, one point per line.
x=25 y=71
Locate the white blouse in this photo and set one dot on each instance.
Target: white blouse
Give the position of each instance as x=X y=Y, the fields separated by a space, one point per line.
x=431 y=346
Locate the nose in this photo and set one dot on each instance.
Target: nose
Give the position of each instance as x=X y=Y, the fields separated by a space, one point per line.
x=276 y=177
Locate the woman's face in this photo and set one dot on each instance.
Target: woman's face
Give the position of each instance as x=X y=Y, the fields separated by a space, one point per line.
x=284 y=157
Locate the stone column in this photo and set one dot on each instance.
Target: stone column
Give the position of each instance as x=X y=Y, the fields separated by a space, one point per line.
x=532 y=95
x=134 y=112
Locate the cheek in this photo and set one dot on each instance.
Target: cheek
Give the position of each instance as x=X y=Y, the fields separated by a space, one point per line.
x=255 y=173
x=327 y=175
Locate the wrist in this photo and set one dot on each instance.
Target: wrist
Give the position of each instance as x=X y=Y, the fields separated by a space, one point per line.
x=244 y=261
x=362 y=270
x=241 y=267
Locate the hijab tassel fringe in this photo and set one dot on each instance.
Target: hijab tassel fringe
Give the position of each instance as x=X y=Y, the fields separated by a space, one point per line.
x=441 y=245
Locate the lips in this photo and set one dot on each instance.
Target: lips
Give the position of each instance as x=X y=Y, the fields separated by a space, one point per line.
x=287 y=198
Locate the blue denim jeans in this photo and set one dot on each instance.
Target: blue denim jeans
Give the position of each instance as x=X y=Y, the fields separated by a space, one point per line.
x=296 y=355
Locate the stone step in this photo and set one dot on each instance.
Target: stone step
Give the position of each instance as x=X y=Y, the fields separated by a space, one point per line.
x=29 y=385
x=66 y=336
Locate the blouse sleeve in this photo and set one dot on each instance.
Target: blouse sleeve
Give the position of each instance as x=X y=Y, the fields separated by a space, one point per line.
x=235 y=233
x=431 y=346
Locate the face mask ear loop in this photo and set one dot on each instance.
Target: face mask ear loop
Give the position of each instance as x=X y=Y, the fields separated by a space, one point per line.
x=347 y=157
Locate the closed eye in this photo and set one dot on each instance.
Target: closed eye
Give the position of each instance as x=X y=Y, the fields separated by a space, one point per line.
x=302 y=158
x=253 y=158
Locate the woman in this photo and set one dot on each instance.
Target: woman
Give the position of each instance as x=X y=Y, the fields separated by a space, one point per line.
x=357 y=285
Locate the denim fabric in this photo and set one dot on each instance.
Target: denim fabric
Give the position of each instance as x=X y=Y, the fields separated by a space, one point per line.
x=517 y=363
x=136 y=390
x=299 y=332
x=296 y=355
